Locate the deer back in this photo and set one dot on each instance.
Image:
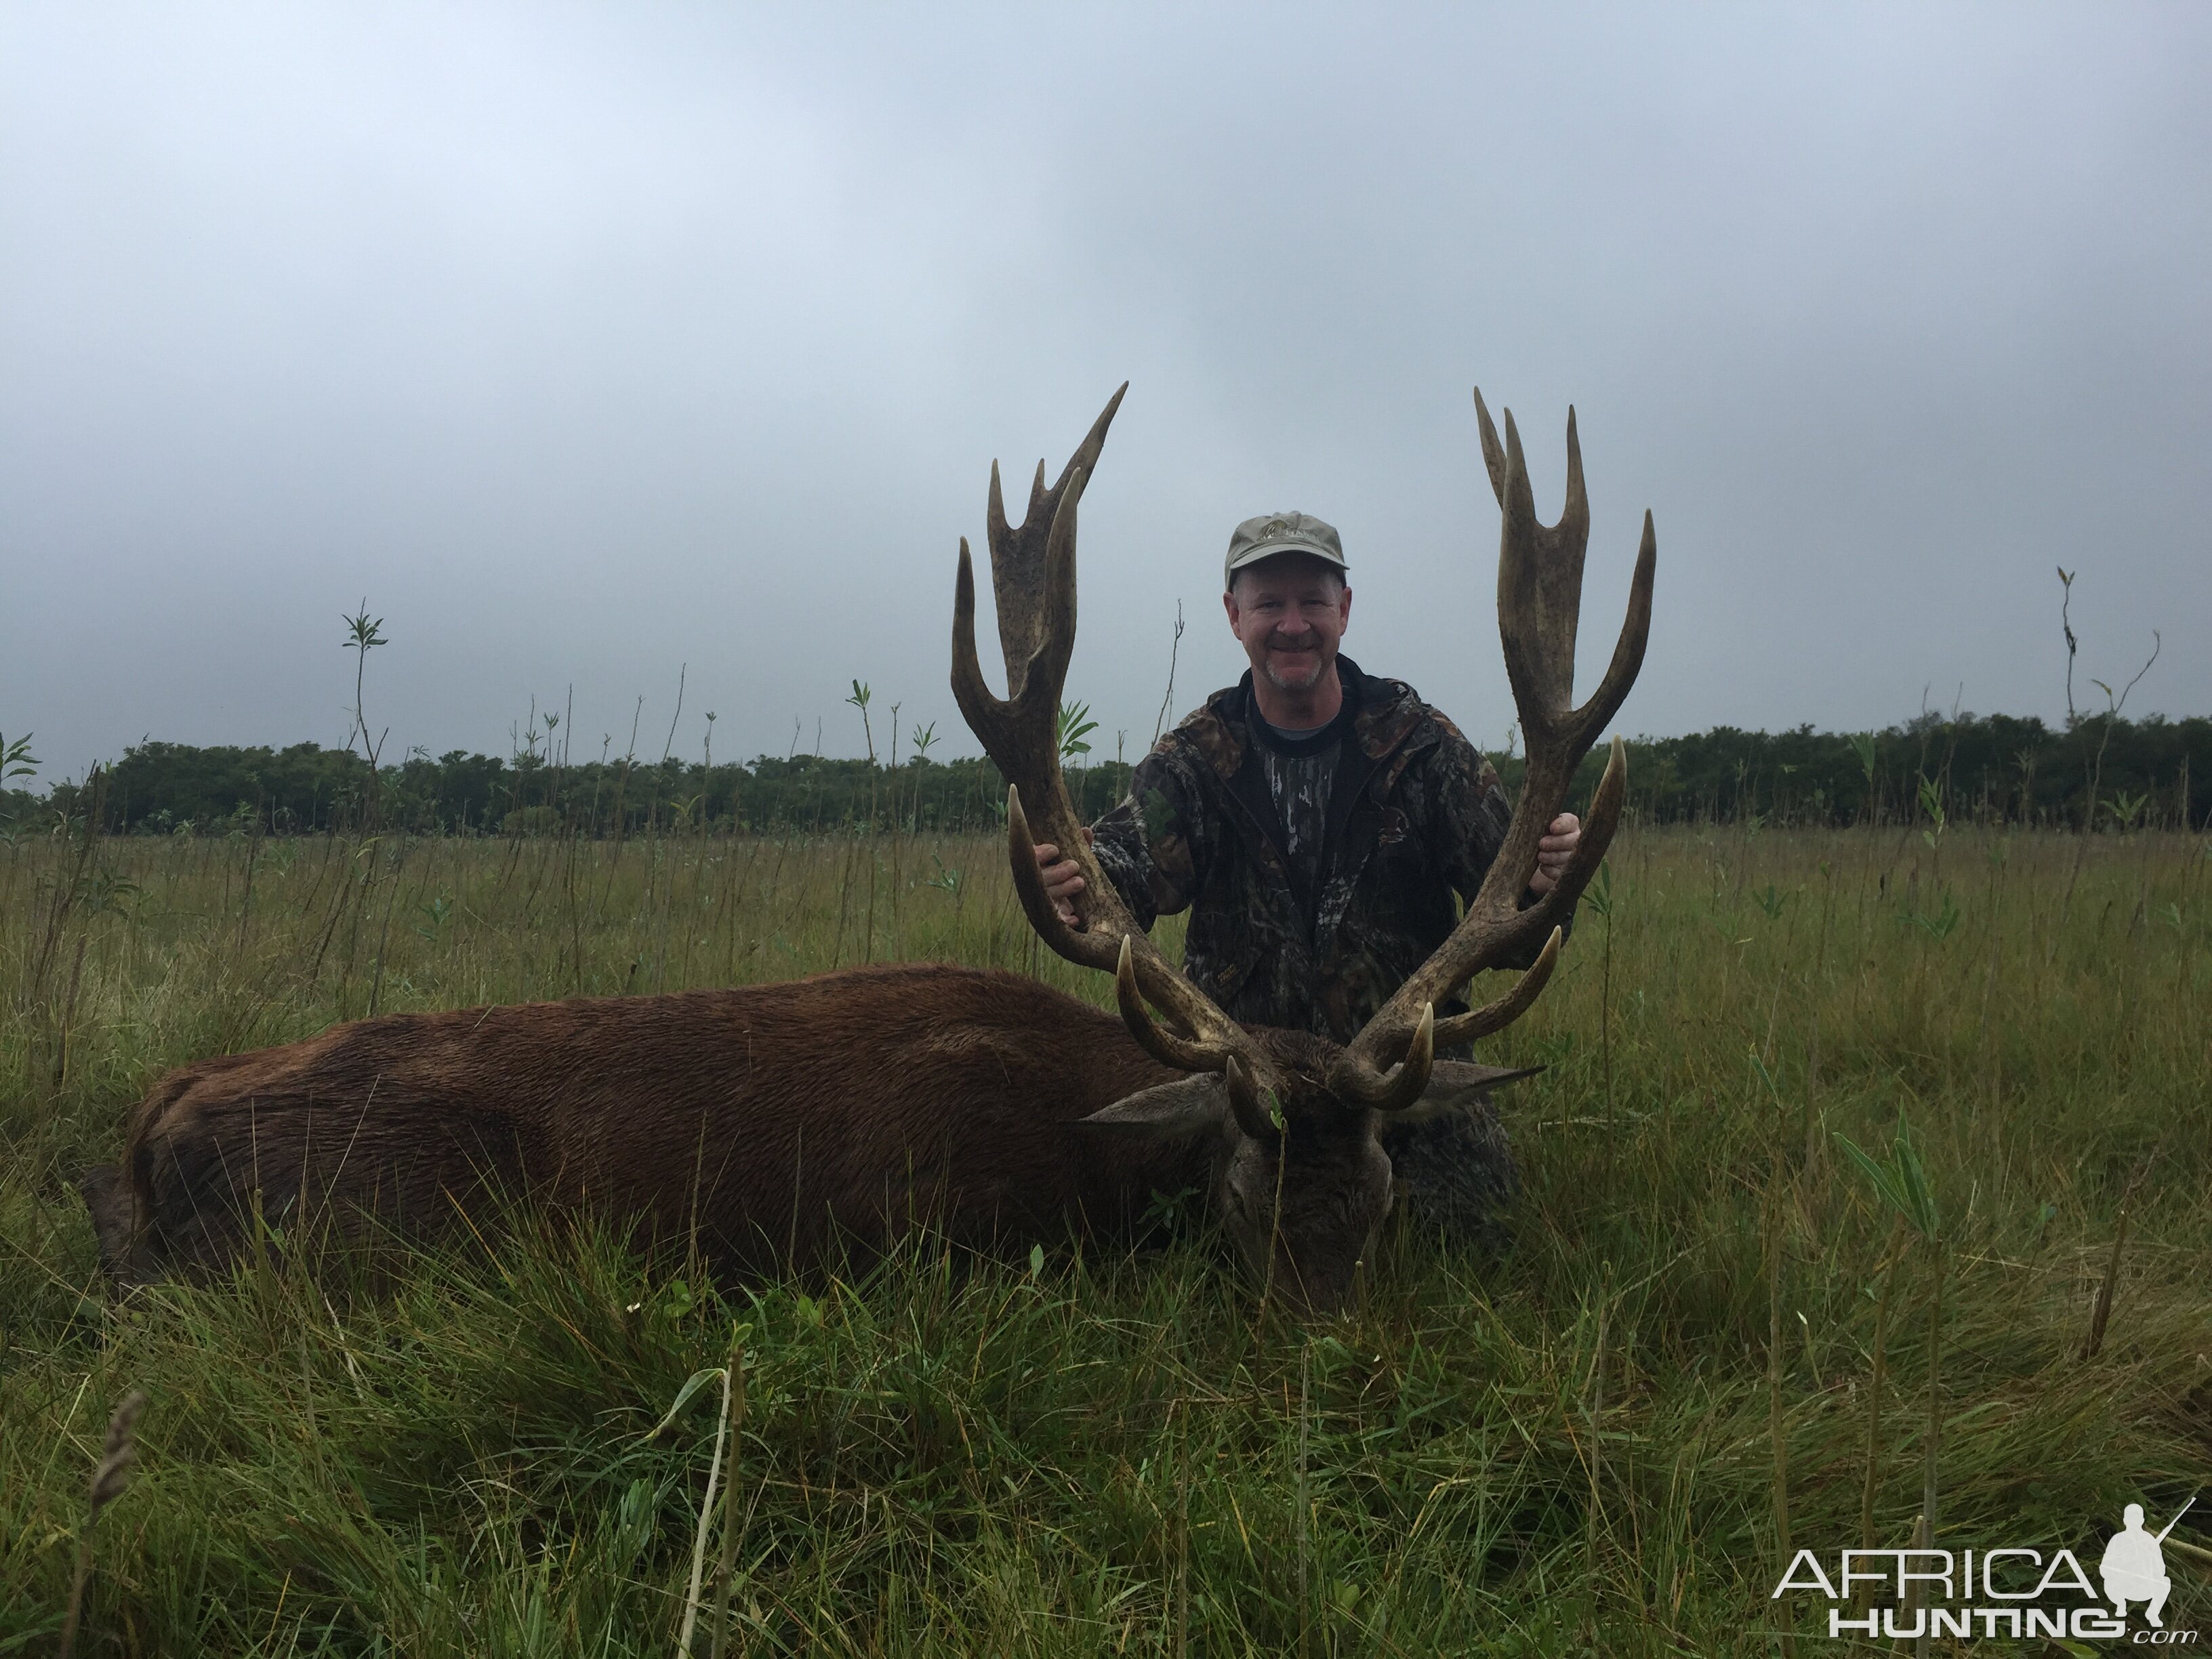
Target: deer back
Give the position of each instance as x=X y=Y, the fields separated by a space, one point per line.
x=761 y=1121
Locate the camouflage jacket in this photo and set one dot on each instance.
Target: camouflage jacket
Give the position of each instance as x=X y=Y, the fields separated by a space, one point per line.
x=1415 y=816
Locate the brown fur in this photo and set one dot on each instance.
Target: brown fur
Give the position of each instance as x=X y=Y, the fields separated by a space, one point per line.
x=765 y=1125
x=761 y=1119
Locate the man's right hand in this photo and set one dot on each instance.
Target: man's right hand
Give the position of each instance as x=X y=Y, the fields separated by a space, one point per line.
x=1062 y=880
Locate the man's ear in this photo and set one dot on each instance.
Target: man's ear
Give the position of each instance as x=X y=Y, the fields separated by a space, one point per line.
x=1456 y=1083
x=1185 y=1107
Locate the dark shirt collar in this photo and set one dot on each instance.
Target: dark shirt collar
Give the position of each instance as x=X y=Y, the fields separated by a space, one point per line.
x=1320 y=738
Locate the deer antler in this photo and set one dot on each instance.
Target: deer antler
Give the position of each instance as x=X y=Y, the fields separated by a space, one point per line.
x=1540 y=584
x=1033 y=578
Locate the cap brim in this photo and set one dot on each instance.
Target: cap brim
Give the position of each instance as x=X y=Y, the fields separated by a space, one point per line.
x=1254 y=554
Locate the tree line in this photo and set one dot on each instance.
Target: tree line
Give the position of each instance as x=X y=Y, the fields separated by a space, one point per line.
x=1996 y=768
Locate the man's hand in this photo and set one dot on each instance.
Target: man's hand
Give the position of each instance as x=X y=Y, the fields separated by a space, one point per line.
x=1551 y=852
x=1062 y=881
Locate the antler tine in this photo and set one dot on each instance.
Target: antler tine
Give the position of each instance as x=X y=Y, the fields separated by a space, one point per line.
x=1243 y=1092
x=1540 y=575
x=1635 y=635
x=994 y=509
x=1355 y=1078
x=1163 y=1046
x=1047 y=670
x=1540 y=585
x=1493 y=452
x=1497 y=1016
x=1495 y=929
x=985 y=714
x=1085 y=459
x=1540 y=592
x=1023 y=561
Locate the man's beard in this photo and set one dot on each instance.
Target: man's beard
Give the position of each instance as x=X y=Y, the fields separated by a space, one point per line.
x=1315 y=662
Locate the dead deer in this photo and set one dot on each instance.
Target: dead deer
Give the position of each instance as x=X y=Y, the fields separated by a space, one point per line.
x=772 y=1124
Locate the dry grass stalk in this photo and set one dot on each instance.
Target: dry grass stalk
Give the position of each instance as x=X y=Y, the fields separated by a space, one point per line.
x=726 y=1568
x=2101 y=1313
x=726 y=1423
x=1777 y=1433
x=110 y=1477
x=1888 y=1269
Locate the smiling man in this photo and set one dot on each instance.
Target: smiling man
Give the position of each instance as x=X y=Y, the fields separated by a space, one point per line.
x=1317 y=822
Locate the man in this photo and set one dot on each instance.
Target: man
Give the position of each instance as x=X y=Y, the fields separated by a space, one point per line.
x=1317 y=822
x=2134 y=1567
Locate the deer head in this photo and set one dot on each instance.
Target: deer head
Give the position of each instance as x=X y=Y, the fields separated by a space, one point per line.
x=1300 y=1181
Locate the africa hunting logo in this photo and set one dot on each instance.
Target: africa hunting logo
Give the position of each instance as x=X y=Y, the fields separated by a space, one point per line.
x=2015 y=1593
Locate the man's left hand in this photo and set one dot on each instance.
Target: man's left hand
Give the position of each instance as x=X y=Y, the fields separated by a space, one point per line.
x=1553 y=852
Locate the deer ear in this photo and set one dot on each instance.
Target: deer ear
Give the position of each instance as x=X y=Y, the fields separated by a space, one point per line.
x=1456 y=1083
x=1185 y=1107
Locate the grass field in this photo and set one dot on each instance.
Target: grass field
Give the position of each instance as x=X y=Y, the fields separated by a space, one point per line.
x=1606 y=1441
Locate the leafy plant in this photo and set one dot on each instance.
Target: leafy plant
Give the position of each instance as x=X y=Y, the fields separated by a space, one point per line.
x=1902 y=1182
x=16 y=760
x=1171 y=1211
x=106 y=894
x=1862 y=745
x=1938 y=926
x=860 y=700
x=1072 y=725
x=1931 y=808
x=363 y=635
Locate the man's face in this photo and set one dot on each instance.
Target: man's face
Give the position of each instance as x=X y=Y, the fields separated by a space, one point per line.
x=1289 y=613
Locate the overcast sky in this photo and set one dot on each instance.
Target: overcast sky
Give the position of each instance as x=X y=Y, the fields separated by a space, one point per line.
x=586 y=343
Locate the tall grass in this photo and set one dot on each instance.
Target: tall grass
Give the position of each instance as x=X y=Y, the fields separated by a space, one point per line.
x=1586 y=1444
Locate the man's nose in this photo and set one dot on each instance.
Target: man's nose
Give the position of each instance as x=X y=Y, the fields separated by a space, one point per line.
x=1293 y=624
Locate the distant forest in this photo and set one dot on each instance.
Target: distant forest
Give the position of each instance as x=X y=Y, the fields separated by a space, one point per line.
x=1979 y=768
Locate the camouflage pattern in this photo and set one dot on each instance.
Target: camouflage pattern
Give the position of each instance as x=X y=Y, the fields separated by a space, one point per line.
x=1416 y=816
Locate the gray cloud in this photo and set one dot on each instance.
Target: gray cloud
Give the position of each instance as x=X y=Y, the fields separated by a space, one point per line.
x=588 y=343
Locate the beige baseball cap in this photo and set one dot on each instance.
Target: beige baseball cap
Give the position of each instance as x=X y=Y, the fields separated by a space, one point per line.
x=1280 y=532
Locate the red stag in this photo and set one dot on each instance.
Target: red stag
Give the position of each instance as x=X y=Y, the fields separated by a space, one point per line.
x=770 y=1121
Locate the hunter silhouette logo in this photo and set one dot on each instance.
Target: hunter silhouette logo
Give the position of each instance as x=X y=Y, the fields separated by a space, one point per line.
x=2012 y=1592
x=2134 y=1566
